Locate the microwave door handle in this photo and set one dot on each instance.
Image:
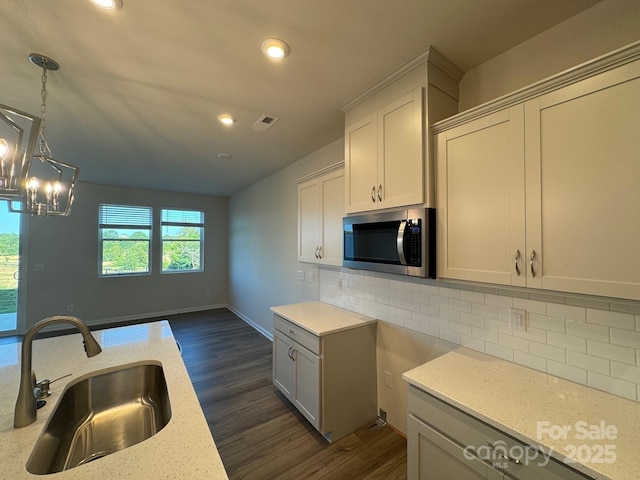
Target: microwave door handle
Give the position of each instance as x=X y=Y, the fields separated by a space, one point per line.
x=400 y=242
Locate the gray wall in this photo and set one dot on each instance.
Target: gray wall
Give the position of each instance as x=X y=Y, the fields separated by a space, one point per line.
x=67 y=247
x=263 y=232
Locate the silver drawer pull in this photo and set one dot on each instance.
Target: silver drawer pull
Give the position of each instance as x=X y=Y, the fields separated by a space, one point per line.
x=515 y=262
x=292 y=332
x=503 y=455
x=373 y=194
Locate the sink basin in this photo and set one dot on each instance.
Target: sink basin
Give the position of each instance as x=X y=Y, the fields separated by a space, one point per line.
x=100 y=415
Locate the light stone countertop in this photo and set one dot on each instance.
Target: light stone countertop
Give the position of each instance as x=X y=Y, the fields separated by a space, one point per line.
x=184 y=448
x=514 y=399
x=321 y=318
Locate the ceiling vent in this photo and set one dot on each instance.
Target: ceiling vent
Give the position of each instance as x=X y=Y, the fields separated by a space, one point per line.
x=264 y=123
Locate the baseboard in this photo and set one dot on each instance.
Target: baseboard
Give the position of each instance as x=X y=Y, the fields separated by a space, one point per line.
x=253 y=324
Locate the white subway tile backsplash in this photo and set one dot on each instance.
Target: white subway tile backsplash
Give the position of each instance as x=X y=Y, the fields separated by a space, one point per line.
x=569 y=372
x=611 y=352
x=531 y=306
x=590 y=340
x=570 y=342
x=631 y=373
x=498 y=300
x=550 y=352
x=531 y=333
x=587 y=330
x=485 y=335
x=471 y=342
x=611 y=319
x=512 y=342
x=460 y=305
x=529 y=360
x=594 y=364
x=450 y=336
x=471 y=319
x=499 y=351
x=490 y=311
x=613 y=385
x=430 y=330
x=625 y=337
x=568 y=312
x=546 y=323
x=450 y=314
x=471 y=296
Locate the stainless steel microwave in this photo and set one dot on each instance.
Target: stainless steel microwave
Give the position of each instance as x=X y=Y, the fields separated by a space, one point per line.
x=401 y=242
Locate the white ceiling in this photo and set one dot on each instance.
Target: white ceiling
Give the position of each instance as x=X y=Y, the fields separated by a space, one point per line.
x=136 y=98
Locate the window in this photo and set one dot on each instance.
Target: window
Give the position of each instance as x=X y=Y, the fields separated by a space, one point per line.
x=125 y=239
x=182 y=240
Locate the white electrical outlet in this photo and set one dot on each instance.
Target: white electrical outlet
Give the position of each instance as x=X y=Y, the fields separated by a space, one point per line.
x=388 y=379
x=518 y=319
x=300 y=275
x=70 y=308
x=309 y=277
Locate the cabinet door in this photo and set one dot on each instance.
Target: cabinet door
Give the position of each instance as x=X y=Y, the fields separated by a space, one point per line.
x=332 y=188
x=583 y=200
x=307 y=384
x=308 y=221
x=361 y=164
x=431 y=456
x=401 y=152
x=283 y=365
x=480 y=197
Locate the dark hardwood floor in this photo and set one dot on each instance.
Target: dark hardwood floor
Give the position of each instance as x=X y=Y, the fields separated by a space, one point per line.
x=259 y=434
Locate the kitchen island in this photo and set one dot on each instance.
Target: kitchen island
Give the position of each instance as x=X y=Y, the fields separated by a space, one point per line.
x=184 y=448
x=593 y=432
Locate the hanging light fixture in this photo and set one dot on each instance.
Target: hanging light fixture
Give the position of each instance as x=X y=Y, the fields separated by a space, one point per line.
x=31 y=180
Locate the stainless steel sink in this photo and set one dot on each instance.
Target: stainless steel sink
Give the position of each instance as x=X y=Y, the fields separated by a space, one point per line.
x=100 y=415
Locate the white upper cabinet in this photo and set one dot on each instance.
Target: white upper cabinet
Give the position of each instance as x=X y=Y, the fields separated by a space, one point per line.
x=543 y=192
x=384 y=156
x=388 y=141
x=320 y=212
x=583 y=196
x=480 y=197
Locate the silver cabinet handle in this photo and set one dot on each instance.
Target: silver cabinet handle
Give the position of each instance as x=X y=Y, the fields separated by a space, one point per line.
x=320 y=251
x=317 y=252
x=515 y=262
x=292 y=332
x=373 y=194
x=502 y=454
x=380 y=192
x=293 y=352
x=289 y=352
x=533 y=256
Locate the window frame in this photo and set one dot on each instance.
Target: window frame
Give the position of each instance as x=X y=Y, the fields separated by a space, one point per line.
x=200 y=225
x=124 y=226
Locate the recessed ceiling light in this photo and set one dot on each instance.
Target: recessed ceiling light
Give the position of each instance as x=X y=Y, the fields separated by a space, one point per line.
x=275 y=48
x=111 y=4
x=226 y=119
x=224 y=156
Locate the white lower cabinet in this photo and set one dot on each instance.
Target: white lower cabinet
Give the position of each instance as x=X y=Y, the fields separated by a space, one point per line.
x=297 y=374
x=446 y=443
x=331 y=379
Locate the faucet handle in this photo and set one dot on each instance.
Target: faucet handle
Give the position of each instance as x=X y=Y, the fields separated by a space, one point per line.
x=43 y=387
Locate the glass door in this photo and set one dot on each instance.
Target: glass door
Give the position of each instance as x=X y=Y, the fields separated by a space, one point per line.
x=9 y=269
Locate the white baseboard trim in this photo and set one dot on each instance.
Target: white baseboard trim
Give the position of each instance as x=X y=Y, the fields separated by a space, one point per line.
x=251 y=323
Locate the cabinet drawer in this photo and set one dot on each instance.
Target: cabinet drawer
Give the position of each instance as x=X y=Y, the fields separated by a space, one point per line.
x=469 y=432
x=298 y=334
